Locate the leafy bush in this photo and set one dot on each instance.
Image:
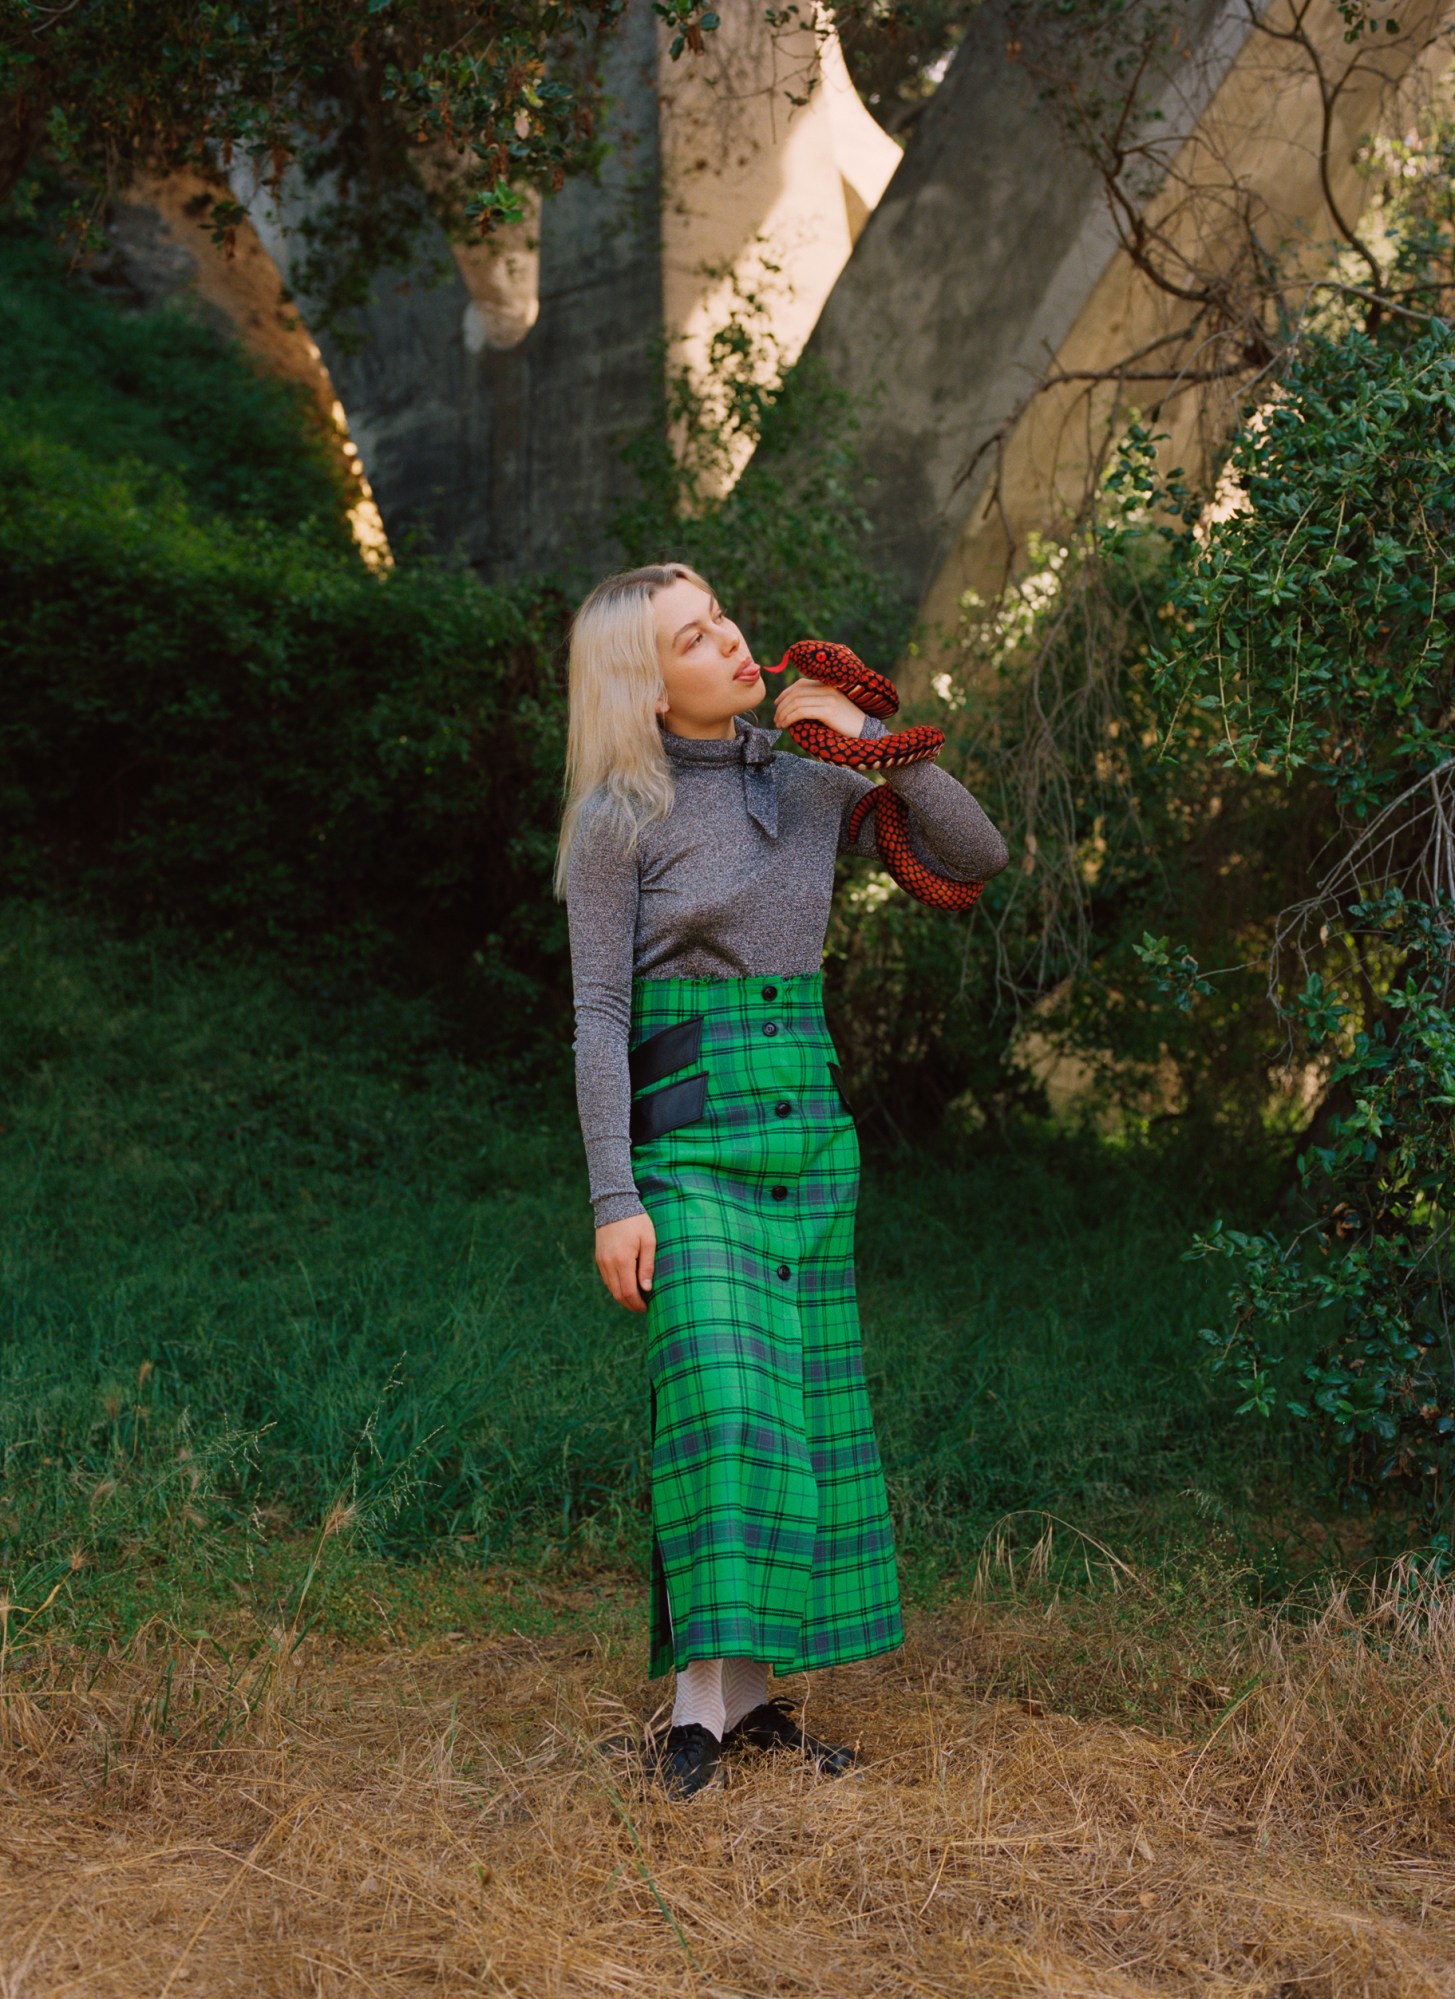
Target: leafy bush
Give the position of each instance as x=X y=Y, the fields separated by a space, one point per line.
x=1382 y=1390
x=1310 y=652
x=1313 y=632
x=230 y=722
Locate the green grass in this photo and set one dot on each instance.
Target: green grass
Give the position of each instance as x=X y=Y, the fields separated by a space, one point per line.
x=264 y=1255
x=159 y=393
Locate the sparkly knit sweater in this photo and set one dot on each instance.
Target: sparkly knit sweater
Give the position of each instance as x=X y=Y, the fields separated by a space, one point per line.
x=735 y=882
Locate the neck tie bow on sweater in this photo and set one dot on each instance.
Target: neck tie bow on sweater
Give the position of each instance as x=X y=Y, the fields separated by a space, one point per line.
x=760 y=783
x=752 y=748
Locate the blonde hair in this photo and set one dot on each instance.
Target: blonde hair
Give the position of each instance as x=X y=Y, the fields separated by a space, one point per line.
x=613 y=741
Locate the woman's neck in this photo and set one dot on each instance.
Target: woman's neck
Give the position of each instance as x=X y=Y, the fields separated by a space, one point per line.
x=723 y=734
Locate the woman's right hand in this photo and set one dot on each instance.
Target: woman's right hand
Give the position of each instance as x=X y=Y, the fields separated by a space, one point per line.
x=626 y=1253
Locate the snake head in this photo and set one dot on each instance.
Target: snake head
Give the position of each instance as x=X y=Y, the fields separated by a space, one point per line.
x=837 y=666
x=820 y=659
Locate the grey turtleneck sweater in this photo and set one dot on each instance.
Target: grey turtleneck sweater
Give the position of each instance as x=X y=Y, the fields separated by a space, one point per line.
x=735 y=882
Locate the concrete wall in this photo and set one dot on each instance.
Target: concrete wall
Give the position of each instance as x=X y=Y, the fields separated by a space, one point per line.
x=761 y=193
x=992 y=261
x=494 y=452
x=487 y=409
x=1253 y=157
x=971 y=273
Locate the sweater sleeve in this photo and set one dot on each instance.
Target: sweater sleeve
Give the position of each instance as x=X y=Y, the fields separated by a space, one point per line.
x=602 y=893
x=948 y=829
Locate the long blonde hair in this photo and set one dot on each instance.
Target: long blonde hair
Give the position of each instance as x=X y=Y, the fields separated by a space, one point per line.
x=613 y=742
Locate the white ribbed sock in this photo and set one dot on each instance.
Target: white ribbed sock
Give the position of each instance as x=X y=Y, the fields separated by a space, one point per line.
x=699 y=1697
x=744 y=1687
x=717 y=1693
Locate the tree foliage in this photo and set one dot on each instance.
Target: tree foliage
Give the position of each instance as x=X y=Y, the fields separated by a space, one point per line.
x=395 y=106
x=392 y=110
x=1315 y=631
x=1375 y=1262
x=1229 y=715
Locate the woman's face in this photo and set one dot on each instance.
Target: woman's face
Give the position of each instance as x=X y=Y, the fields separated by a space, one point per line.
x=707 y=664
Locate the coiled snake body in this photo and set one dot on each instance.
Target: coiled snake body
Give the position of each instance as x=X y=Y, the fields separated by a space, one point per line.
x=876 y=694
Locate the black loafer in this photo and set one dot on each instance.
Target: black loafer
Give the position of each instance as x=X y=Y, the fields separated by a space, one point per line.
x=772 y=1726
x=687 y=1761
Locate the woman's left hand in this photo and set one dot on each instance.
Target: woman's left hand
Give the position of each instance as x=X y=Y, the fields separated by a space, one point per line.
x=804 y=700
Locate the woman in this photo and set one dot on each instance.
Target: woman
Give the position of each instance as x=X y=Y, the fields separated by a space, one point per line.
x=697 y=864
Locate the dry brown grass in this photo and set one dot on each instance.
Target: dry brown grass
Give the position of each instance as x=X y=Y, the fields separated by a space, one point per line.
x=396 y=1822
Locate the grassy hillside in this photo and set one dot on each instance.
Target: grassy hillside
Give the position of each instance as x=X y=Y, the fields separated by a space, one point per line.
x=262 y=1256
x=159 y=393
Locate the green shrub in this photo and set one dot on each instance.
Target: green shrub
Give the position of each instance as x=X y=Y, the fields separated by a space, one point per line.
x=1307 y=651
x=230 y=722
x=1379 y=1393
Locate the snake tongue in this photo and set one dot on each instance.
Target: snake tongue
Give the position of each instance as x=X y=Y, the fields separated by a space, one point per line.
x=765 y=668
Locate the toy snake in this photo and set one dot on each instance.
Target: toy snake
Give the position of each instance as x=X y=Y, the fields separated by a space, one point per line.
x=876 y=694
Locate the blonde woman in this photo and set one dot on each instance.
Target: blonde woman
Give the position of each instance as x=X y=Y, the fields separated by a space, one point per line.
x=697 y=865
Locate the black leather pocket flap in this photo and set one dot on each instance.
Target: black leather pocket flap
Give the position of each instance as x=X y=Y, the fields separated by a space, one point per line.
x=669 y=1048
x=664 y=1110
x=838 y=1075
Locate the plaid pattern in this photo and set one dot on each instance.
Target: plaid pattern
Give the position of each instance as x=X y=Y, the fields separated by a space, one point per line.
x=771 y=1532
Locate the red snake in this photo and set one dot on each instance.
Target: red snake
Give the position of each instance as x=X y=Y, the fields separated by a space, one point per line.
x=876 y=694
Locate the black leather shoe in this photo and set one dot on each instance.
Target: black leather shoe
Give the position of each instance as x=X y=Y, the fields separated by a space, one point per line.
x=772 y=1726
x=687 y=1761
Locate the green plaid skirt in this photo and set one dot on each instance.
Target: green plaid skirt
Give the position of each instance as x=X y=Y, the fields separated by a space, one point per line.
x=771 y=1531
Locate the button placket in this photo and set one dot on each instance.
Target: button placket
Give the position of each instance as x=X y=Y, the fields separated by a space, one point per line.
x=770 y=991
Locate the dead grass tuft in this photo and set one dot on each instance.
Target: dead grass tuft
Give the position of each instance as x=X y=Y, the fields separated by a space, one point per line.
x=1105 y=1795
